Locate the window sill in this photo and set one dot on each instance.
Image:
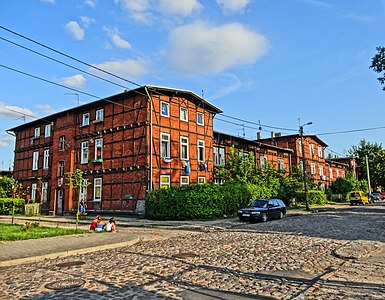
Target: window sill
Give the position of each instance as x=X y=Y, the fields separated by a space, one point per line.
x=97 y=160
x=97 y=121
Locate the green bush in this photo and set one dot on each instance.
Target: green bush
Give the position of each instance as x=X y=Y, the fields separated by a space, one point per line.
x=6 y=205
x=315 y=197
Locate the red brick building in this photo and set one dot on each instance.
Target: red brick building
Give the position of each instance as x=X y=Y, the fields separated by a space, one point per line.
x=126 y=145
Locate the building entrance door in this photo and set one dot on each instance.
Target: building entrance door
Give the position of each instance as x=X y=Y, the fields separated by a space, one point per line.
x=59 y=201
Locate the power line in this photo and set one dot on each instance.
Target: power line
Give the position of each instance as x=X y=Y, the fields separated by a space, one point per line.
x=350 y=131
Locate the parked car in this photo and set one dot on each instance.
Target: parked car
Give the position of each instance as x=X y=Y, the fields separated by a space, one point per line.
x=382 y=195
x=370 y=197
x=263 y=209
x=358 y=197
x=376 y=196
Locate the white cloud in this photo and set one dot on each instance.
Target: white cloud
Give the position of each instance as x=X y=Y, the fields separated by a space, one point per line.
x=75 y=30
x=48 y=1
x=200 y=48
x=182 y=8
x=233 y=6
x=87 y=21
x=138 y=10
x=76 y=81
x=116 y=39
x=47 y=109
x=130 y=68
x=6 y=140
x=14 y=112
x=90 y=3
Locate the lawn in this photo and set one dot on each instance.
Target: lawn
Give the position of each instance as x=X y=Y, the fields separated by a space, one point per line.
x=28 y=231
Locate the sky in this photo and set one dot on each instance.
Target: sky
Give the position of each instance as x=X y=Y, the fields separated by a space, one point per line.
x=270 y=65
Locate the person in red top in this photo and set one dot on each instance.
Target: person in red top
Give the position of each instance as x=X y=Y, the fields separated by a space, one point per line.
x=94 y=222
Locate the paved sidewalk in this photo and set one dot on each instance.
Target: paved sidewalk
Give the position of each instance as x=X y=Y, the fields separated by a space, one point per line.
x=20 y=252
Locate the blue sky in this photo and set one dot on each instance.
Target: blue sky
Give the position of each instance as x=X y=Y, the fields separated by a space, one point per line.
x=274 y=62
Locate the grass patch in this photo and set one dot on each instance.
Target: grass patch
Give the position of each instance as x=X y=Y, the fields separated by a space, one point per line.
x=33 y=231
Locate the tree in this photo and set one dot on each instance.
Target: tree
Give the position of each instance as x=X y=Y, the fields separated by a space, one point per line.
x=76 y=181
x=378 y=64
x=6 y=186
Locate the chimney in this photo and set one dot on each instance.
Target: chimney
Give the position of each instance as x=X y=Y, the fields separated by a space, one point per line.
x=278 y=134
x=259 y=135
x=272 y=134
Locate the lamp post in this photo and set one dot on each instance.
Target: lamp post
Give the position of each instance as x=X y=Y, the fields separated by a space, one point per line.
x=304 y=165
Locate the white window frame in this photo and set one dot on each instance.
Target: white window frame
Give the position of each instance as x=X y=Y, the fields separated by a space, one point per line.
x=99 y=115
x=343 y=173
x=46 y=159
x=37 y=132
x=165 y=152
x=337 y=173
x=98 y=144
x=35 y=160
x=200 y=118
x=219 y=156
x=219 y=181
x=320 y=152
x=331 y=172
x=321 y=170
x=281 y=164
x=183 y=114
x=184 y=180
x=300 y=146
x=201 y=150
x=61 y=168
x=164 y=109
x=44 y=191
x=98 y=184
x=164 y=184
x=201 y=180
x=184 y=145
x=263 y=160
x=83 y=190
x=312 y=168
x=47 y=130
x=84 y=155
x=86 y=119
x=33 y=191
x=62 y=141
x=311 y=149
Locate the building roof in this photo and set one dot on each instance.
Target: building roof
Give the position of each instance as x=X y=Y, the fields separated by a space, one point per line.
x=140 y=90
x=257 y=143
x=283 y=137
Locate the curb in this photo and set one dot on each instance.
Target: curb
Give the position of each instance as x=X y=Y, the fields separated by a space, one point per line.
x=34 y=259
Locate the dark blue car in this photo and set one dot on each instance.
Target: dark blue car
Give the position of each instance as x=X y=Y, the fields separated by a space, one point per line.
x=262 y=210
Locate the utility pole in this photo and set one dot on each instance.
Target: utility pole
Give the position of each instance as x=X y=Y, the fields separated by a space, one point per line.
x=367 y=171
x=304 y=165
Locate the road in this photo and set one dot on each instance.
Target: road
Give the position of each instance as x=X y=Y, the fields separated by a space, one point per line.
x=333 y=254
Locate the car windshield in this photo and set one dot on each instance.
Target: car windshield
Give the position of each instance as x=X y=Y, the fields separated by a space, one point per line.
x=259 y=203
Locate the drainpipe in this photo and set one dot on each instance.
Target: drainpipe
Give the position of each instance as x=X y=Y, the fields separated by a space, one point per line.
x=151 y=150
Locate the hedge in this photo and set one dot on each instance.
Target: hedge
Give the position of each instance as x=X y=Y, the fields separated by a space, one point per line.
x=203 y=201
x=6 y=205
x=315 y=197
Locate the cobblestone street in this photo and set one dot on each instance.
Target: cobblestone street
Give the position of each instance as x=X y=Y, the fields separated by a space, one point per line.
x=333 y=254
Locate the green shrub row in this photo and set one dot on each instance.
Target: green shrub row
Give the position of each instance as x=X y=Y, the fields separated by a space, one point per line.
x=315 y=197
x=6 y=205
x=204 y=201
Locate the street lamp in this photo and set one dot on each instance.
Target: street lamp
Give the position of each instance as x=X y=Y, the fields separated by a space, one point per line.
x=304 y=165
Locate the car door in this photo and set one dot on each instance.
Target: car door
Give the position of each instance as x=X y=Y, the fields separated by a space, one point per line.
x=271 y=209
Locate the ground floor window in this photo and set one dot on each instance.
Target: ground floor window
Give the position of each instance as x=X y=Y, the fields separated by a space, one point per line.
x=164 y=181
x=97 y=189
x=201 y=180
x=44 y=191
x=33 y=191
x=184 y=180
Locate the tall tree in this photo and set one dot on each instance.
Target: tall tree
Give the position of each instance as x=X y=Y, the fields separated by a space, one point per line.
x=378 y=65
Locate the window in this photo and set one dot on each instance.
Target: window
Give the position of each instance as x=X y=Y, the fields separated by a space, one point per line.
x=37 y=132
x=331 y=172
x=46 y=159
x=84 y=153
x=184 y=180
x=201 y=150
x=320 y=152
x=60 y=172
x=281 y=164
x=47 y=130
x=165 y=109
x=301 y=165
x=83 y=190
x=164 y=181
x=343 y=173
x=86 y=119
x=183 y=114
x=219 y=181
x=165 y=145
x=99 y=115
x=99 y=149
x=97 y=189
x=33 y=191
x=312 y=168
x=219 y=156
x=321 y=170
x=300 y=146
x=311 y=149
x=62 y=140
x=35 y=160
x=183 y=148
x=201 y=180
x=263 y=160
x=200 y=119
x=44 y=191
x=337 y=173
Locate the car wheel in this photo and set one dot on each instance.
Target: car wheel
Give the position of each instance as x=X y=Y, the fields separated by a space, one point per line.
x=263 y=217
x=242 y=219
x=280 y=216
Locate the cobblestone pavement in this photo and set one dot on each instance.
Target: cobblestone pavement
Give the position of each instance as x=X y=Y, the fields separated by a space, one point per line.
x=336 y=254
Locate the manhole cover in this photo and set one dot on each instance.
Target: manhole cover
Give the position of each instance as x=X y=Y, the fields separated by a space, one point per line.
x=65 y=284
x=184 y=255
x=70 y=264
